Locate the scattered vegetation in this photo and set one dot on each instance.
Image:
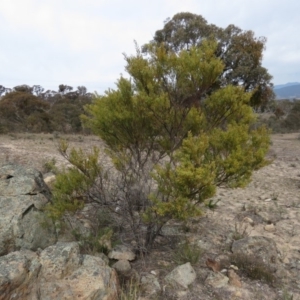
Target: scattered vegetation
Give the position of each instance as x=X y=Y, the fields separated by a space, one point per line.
x=283 y=116
x=91 y=244
x=240 y=231
x=31 y=109
x=287 y=296
x=187 y=252
x=211 y=204
x=50 y=166
x=130 y=291
x=254 y=268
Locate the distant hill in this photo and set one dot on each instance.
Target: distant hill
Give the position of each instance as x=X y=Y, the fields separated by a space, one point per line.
x=279 y=86
x=288 y=90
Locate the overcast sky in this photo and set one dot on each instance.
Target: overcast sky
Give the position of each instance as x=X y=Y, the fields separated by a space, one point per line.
x=80 y=42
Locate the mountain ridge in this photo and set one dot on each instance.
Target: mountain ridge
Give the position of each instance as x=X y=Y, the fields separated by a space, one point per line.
x=287 y=91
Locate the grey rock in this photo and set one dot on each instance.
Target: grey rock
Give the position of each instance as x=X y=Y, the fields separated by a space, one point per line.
x=150 y=284
x=59 y=272
x=122 y=266
x=183 y=275
x=18 y=180
x=216 y=280
x=269 y=217
x=121 y=252
x=270 y=228
x=23 y=195
x=49 y=178
x=257 y=246
x=103 y=257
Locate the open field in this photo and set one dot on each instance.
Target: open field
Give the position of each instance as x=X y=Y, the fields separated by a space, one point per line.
x=273 y=197
x=36 y=149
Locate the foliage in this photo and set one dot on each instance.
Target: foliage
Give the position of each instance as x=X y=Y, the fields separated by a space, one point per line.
x=71 y=185
x=211 y=204
x=130 y=291
x=285 y=117
x=91 y=244
x=287 y=296
x=2 y=129
x=240 y=51
x=50 y=166
x=187 y=253
x=20 y=111
x=66 y=116
x=170 y=141
x=292 y=121
x=30 y=109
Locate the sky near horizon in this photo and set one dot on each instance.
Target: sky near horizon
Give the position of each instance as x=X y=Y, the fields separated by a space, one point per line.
x=81 y=42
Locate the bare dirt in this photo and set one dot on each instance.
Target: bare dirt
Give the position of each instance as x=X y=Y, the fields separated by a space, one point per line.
x=35 y=150
x=271 y=201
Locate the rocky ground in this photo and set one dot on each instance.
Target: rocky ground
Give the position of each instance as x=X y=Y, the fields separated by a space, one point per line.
x=269 y=207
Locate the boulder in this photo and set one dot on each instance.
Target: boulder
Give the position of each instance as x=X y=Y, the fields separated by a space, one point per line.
x=183 y=275
x=150 y=285
x=121 y=252
x=58 y=272
x=23 y=195
x=216 y=280
x=49 y=178
x=122 y=266
x=257 y=246
x=270 y=227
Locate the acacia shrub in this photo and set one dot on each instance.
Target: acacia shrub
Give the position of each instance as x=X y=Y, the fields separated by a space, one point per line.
x=171 y=144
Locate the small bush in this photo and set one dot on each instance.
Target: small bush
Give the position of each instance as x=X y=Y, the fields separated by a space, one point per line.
x=130 y=291
x=211 y=204
x=240 y=231
x=287 y=296
x=254 y=268
x=91 y=244
x=3 y=129
x=50 y=166
x=187 y=253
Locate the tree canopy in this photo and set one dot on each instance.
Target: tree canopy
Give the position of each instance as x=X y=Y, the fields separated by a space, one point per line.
x=23 y=111
x=32 y=109
x=240 y=51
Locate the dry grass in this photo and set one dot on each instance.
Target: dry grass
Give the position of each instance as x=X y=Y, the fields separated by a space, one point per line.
x=254 y=268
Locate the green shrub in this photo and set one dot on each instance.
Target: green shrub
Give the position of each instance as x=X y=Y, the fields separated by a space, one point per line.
x=187 y=253
x=95 y=243
x=171 y=140
x=50 y=166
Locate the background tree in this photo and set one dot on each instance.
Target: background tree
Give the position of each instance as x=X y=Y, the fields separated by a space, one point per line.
x=24 y=88
x=240 y=51
x=2 y=90
x=292 y=121
x=62 y=89
x=169 y=149
x=37 y=90
x=26 y=108
x=22 y=111
x=67 y=106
